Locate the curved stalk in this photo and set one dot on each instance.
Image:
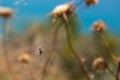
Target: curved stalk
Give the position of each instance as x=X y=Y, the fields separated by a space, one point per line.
x=118 y=71
x=106 y=44
x=45 y=65
x=109 y=70
x=74 y=52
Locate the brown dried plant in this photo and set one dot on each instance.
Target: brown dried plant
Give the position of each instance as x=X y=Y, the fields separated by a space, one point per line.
x=100 y=63
x=78 y=57
x=63 y=12
x=118 y=71
x=44 y=68
x=6 y=13
x=99 y=27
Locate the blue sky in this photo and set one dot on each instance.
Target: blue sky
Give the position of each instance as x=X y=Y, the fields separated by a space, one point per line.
x=107 y=11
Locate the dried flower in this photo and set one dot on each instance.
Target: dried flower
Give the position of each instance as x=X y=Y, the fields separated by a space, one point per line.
x=25 y=58
x=62 y=10
x=91 y=2
x=98 y=26
x=100 y=64
x=5 y=12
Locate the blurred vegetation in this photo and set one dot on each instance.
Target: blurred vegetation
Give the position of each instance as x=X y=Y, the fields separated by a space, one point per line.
x=63 y=65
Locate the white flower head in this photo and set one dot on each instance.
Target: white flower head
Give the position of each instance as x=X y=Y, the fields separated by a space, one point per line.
x=62 y=10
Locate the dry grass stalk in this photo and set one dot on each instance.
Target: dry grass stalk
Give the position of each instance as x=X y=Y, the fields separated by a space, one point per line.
x=64 y=11
x=100 y=63
x=105 y=42
x=50 y=53
x=118 y=71
x=74 y=52
x=100 y=27
x=5 y=13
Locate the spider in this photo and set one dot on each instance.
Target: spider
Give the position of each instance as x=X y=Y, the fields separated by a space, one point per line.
x=41 y=50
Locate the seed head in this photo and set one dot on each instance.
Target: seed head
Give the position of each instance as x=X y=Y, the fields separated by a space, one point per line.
x=60 y=9
x=100 y=64
x=63 y=10
x=91 y=2
x=5 y=12
x=24 y=58
x=98 y=26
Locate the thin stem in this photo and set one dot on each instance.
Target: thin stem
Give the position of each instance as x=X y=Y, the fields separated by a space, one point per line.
x=118 y=71
x=44 y=69
x=78 y=4
x=109 y=70
x=114 y=58
x=5 y=50
x=74 y=52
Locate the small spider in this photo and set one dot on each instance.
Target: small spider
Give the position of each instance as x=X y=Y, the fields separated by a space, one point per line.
x=63 y=10
x=41 y=50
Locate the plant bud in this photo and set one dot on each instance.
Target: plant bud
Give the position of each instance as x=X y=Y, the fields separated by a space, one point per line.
x=100 y=64
x=24 y=58
x=6 y=12
x=99 y=26
x=91 y=2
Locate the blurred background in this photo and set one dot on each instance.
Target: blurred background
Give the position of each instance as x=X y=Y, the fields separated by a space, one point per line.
x=31 y=29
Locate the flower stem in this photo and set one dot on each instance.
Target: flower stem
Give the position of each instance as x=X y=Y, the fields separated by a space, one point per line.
x=74 y=52
x=106 y=44
x=45 y=65
x=118 y=71
x=5 y=50
x=109 y=70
